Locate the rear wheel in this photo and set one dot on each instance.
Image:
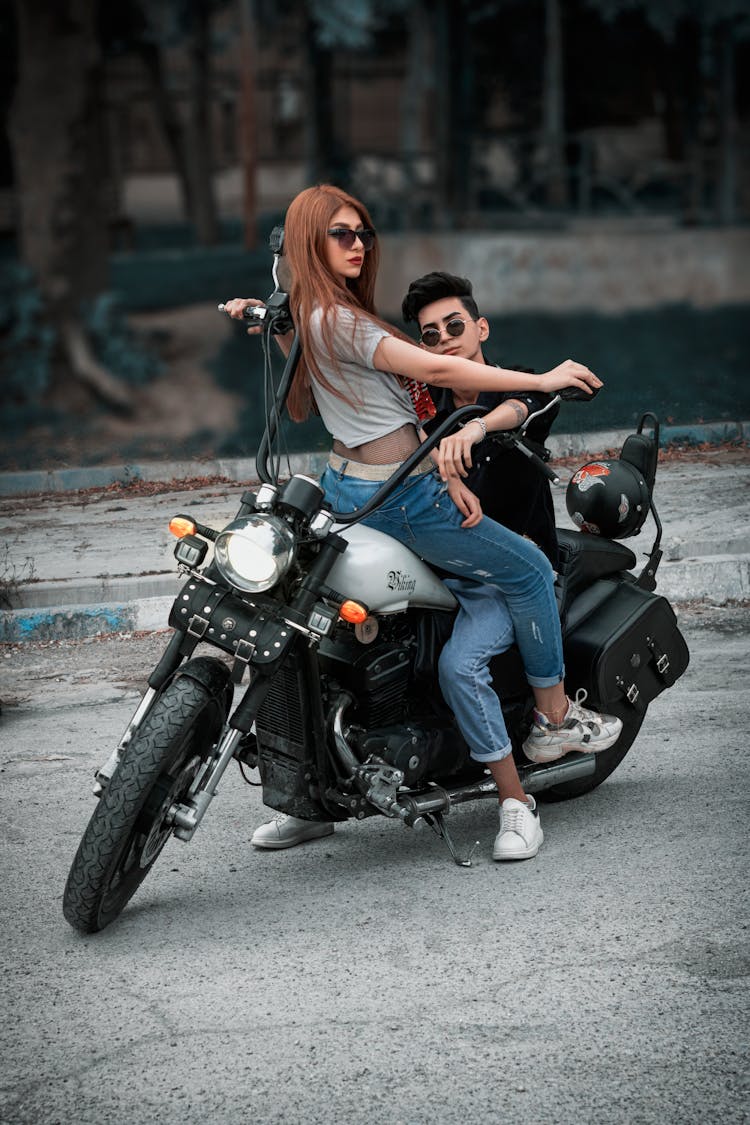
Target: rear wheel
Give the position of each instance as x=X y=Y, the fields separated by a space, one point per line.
x=131 y=825
x=607 y=762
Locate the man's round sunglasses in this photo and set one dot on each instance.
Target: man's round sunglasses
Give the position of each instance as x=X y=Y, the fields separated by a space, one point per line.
x=346 y=238
x=431 y=336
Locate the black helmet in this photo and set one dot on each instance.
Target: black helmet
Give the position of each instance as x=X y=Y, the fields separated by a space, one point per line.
x=609 y=498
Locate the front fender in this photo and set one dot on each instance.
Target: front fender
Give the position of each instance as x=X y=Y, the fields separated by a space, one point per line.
x=213 y=674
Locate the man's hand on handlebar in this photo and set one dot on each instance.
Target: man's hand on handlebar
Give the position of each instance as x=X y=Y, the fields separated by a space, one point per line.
x=454 y=452
x=466 y=502
x=570 y=374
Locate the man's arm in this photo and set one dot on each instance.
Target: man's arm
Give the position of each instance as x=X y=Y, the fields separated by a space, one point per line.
x=454 y=453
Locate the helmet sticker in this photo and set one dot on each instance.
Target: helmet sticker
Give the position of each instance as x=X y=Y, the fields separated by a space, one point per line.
x=623 y=509
x=590 y=475
x=590 y=528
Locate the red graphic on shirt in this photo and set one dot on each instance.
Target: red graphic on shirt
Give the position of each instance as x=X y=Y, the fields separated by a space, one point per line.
x=421 y=399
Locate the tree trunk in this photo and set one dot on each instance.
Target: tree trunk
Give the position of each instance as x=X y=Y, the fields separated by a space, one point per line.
x=553 y=125
x=319 y=131
x=172 y=127
x=412 y=101
x=200 y=147
x=453 y=98
x=59 y=149
x=727 y=170
x=248 y=125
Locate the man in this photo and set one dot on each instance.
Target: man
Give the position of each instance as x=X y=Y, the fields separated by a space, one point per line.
x=510 y=490
x=508 y=487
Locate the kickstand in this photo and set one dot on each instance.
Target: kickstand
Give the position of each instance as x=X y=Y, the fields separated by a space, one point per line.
x=436 y=821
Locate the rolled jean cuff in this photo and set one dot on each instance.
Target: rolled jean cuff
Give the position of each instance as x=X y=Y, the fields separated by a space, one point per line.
x=493 y=756
x=545 y=681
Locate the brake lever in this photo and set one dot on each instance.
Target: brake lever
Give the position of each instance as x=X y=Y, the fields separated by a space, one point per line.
x=514 y=440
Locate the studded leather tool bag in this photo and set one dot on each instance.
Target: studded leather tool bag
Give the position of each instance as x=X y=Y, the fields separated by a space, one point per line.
x=623 y=646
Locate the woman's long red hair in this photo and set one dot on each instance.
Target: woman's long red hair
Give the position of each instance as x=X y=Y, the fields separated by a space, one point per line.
x=313 y=284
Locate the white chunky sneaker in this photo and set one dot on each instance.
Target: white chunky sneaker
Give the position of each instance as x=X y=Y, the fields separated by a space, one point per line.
x=582 y=730
x=285 y=831
x=520 y=835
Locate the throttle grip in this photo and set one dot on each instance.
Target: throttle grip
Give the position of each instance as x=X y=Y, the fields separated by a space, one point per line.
x=252 y=312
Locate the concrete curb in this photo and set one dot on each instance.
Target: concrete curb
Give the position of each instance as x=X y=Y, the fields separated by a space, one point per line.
x=704 y=561
x=240 y=469
x=715 y=433
x=312 y=463
x=717 y=580
x=73 y=622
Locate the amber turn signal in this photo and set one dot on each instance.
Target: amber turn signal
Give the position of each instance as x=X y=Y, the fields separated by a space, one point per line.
x=353 y=612
x=180 y=526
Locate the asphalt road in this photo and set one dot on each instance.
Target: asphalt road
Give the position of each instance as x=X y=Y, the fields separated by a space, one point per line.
x=364 y=977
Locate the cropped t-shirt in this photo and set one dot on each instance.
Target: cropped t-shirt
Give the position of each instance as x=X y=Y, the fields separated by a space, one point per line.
x=378 y=404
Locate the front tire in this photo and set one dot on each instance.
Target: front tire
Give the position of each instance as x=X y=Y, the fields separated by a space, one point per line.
x=607 y=762
x=130 y=825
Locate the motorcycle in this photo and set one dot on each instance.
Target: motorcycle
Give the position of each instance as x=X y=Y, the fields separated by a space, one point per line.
x=319 y=640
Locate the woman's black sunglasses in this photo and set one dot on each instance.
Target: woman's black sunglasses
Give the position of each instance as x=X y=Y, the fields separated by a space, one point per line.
x=346 y=238
x=431 y=336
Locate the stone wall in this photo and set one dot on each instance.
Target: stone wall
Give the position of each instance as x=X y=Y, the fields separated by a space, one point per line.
x=604 y=270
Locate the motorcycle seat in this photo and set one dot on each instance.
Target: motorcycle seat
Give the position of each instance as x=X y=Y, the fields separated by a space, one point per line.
x=584 y=558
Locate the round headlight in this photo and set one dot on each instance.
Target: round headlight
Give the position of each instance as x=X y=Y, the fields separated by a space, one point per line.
x=254 y=552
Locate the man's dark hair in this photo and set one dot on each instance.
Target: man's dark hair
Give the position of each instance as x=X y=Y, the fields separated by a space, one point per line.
x=434 y=287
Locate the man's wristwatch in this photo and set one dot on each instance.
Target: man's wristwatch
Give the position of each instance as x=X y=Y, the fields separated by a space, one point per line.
x=480 y=422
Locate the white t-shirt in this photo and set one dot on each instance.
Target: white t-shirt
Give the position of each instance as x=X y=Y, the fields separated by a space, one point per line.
x=378 y=404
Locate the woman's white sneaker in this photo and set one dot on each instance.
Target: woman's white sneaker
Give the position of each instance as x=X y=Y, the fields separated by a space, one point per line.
x=583 y=730
x=520 y=835
x=285 y=831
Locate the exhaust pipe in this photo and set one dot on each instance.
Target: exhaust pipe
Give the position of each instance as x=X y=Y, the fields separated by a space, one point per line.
x=533 y=780
x=570 y=769
x=436 y=799
x=347 y=758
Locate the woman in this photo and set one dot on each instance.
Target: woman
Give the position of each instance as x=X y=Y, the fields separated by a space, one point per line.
x=349 y=359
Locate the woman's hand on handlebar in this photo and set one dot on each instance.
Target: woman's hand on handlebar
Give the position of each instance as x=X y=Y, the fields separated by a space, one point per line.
x=570 y=374
x=236 y=309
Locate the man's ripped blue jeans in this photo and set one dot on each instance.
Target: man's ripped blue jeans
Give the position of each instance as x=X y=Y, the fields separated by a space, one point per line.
x=483 y=628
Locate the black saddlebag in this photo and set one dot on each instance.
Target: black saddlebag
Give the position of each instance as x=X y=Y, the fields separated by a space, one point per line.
x=622 y=645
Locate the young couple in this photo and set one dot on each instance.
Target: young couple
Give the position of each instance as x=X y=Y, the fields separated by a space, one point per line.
x=365 y=377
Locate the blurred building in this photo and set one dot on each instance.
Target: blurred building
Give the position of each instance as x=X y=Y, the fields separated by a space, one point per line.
x=452 y=115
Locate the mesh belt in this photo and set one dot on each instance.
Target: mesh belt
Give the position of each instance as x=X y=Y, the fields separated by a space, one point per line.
x=363 y=471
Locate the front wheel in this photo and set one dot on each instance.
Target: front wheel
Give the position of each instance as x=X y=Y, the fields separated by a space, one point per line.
x=131 y=822
x=607 y=762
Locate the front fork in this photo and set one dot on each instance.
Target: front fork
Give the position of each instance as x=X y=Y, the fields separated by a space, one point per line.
x=180 y=646
x=187 y=815
x=104 y=773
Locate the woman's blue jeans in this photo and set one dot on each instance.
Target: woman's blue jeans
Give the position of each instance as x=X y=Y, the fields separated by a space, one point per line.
x=422 y=515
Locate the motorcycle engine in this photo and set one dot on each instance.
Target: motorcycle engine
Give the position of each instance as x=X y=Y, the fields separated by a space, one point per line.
x=396 y=715
x=377 y=677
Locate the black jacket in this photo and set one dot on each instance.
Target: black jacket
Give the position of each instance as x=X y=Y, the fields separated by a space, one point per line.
x=510 y=490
